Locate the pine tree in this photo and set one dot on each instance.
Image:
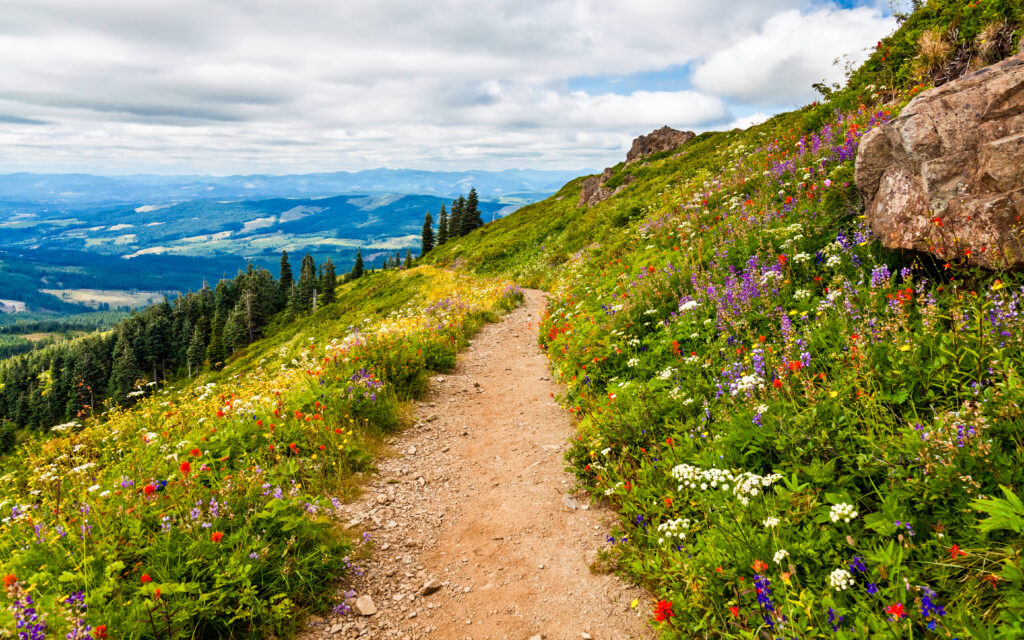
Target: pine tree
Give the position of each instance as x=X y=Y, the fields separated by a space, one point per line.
x=442 y=227
x=471 y=213
x=235 y=329
x=196 y=352
x=301 y=300
x=357 y=268
x=215 y=352
x=427 y=239
x=124 y=371
x=408 y=260
x=284 y=283
x=455 y=219
x=328 y=282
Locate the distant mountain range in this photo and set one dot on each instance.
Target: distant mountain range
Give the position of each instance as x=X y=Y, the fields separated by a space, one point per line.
x=78 y=189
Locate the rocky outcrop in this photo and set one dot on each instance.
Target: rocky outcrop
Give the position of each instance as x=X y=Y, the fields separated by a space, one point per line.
x=663 y=139
x=594 y=190
x=947 y=175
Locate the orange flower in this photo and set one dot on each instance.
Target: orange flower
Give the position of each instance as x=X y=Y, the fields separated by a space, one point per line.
x=216 y=536
x=146 y=579
x=9 y=579
x=759 y=566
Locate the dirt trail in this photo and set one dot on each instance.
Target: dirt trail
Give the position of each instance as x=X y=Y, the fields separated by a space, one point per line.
x=476 y=500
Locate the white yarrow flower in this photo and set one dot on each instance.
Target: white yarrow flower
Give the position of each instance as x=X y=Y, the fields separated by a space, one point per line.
x=840 y=579
x=842 y=511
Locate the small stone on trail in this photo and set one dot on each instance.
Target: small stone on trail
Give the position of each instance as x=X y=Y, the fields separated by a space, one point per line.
x=569 y=502
x=364 y=606
x=432 y=586
x=585 y=636
x=537 y=637
x=411 y=451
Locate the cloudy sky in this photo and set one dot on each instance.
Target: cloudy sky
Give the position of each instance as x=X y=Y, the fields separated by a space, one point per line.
x=242 y=86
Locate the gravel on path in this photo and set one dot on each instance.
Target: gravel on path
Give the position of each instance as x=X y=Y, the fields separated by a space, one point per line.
x=475 y=532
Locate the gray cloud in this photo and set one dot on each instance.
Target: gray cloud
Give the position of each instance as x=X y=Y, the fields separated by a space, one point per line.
x=232 y=86
x=19 y=120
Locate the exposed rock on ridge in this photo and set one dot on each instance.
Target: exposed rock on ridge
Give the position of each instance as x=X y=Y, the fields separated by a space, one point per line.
x=594 y=190
x=947 y=175
x=663 y=139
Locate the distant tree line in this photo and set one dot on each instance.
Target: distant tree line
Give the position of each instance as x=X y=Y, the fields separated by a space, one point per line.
x=27 y=322
x=71 y=378
x=464 y=217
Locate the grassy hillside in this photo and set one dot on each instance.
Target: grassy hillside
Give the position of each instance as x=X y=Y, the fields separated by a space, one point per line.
x=806 y=435
x=206 y=510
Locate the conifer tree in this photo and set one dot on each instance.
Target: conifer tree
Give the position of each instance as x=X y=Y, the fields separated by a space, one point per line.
x=357 y=268
x=301 y=299
x=455 y=219
x=471 y=213
x=328 y=282
x=125 y=369
x=196 y=352
x=215 y=352
x=442 y=227
x=235 y=329
x=286 y=280
x=427 y=238
x=408 y=260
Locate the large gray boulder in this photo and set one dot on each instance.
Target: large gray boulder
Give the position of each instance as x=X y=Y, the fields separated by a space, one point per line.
x=947 y=175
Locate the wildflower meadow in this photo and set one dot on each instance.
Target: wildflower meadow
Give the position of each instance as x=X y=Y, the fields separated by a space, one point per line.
x=806 y=435
x=208 y=509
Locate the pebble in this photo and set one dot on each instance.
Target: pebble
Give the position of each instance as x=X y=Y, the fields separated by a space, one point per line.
x=431 y=586
x=364 y=606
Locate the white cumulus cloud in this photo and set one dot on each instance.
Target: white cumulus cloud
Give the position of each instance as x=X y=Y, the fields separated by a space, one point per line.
x=777 y=63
